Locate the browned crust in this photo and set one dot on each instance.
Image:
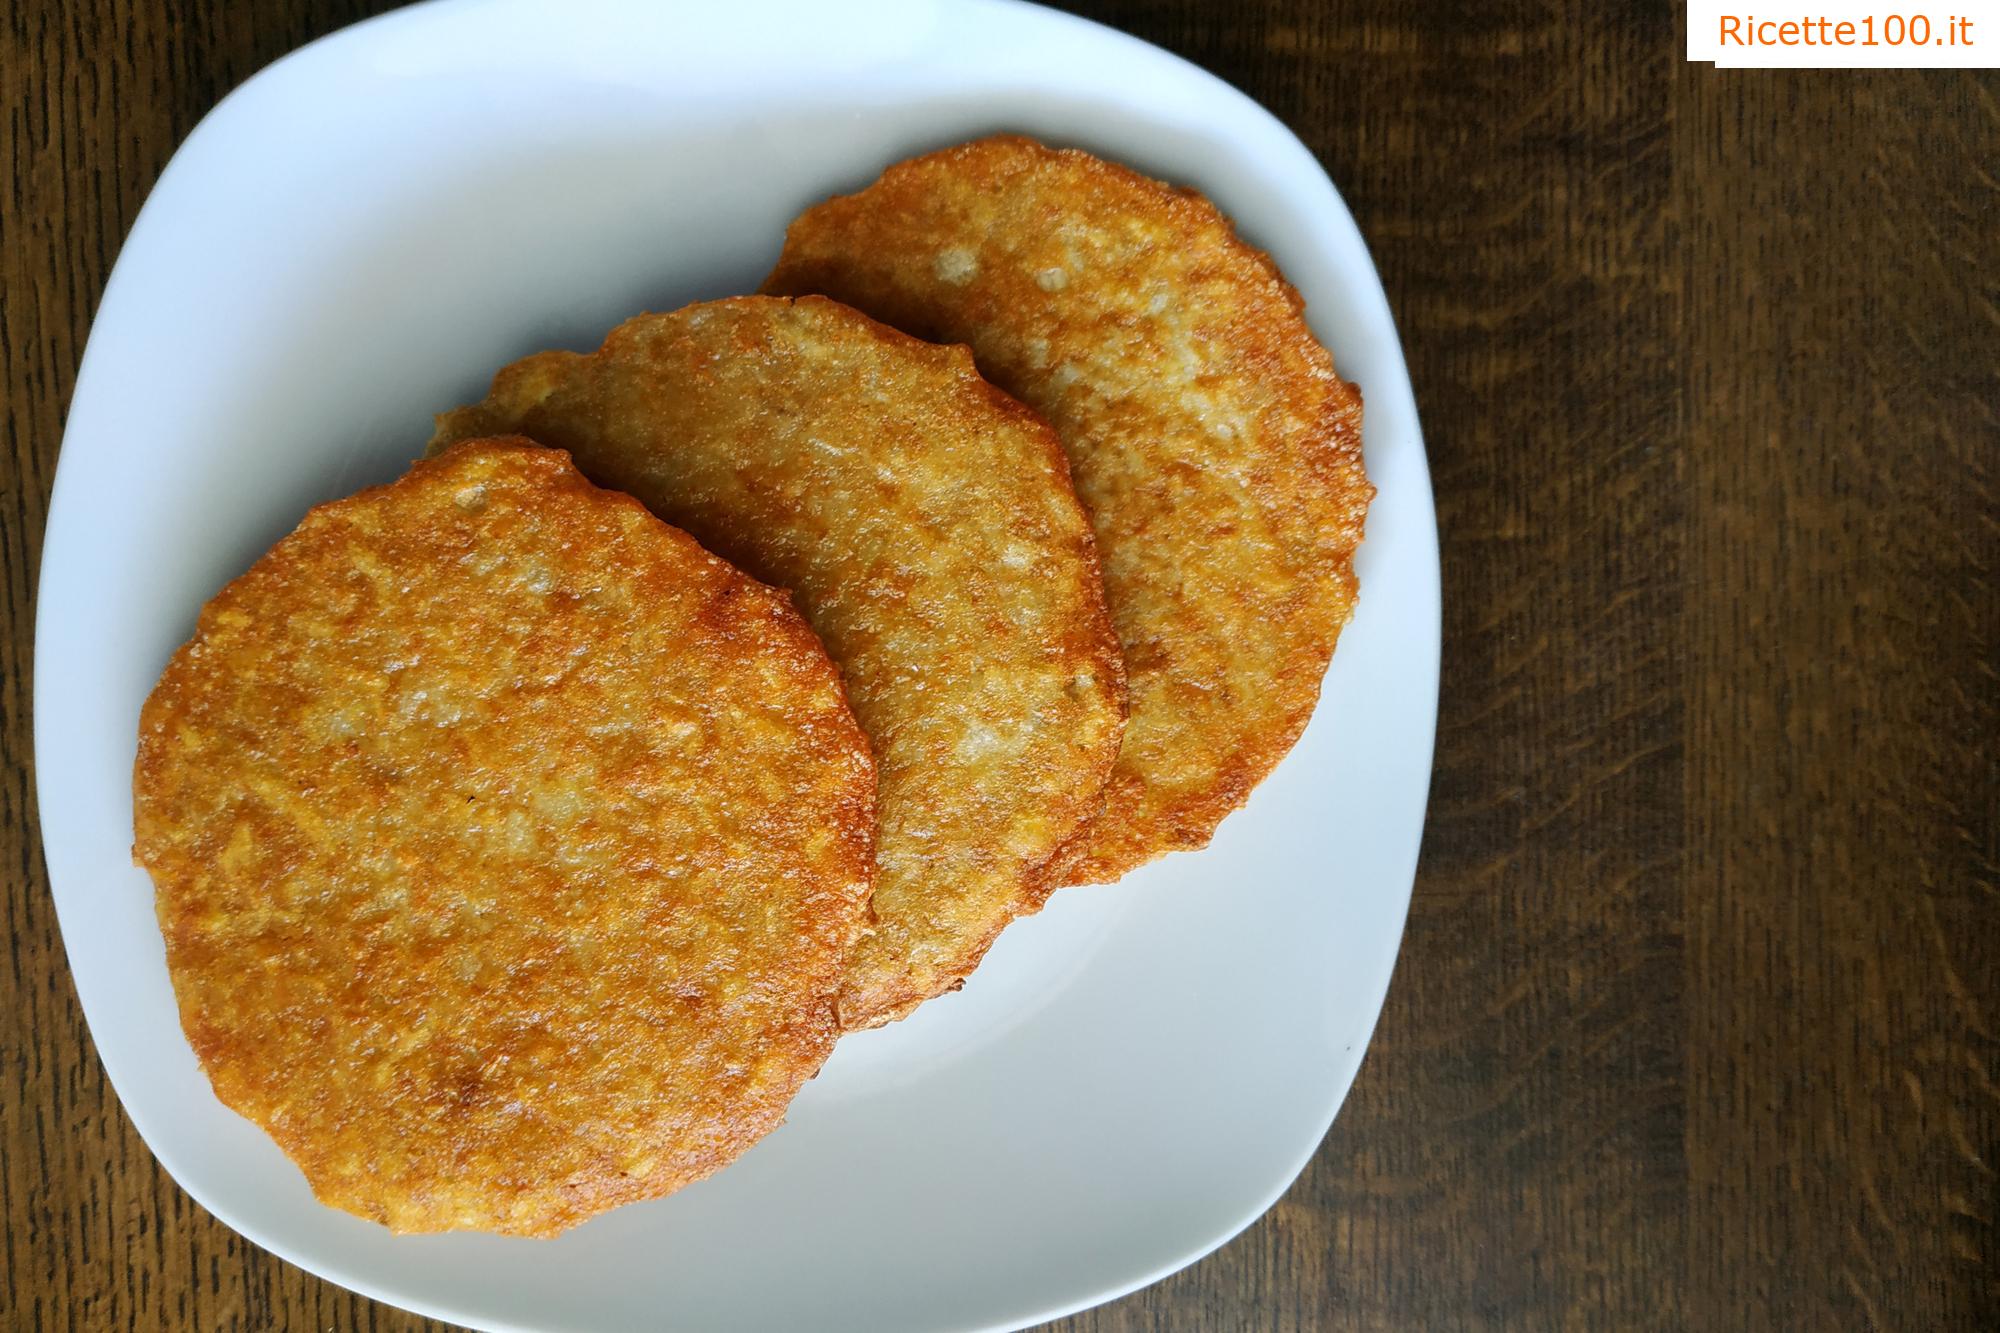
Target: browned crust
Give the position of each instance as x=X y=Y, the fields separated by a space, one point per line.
x=926 y=523
x=1218 y=451
x=508 y=847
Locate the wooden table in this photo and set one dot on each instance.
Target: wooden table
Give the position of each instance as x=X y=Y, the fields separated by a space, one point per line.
x=1698 y=1020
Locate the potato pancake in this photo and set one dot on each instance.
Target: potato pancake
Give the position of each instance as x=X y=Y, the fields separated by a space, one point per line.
x=1217 y=451
x=509 y=847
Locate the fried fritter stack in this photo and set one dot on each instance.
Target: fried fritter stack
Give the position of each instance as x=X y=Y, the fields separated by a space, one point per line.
x=519 y=855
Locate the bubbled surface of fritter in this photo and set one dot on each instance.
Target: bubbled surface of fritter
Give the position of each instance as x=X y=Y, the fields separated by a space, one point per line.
x=1208 y=435
x=926 y=525
x=508 y=847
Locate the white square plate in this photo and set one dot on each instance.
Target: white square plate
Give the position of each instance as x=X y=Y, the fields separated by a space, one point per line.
x=354 y=240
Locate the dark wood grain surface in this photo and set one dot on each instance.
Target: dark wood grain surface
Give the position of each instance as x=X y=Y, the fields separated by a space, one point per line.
x=1698 y=1019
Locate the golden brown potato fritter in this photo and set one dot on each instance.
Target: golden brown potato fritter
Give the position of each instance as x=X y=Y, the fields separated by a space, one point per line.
x=509 y=847
x=1216 y=450
x=926 y=525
